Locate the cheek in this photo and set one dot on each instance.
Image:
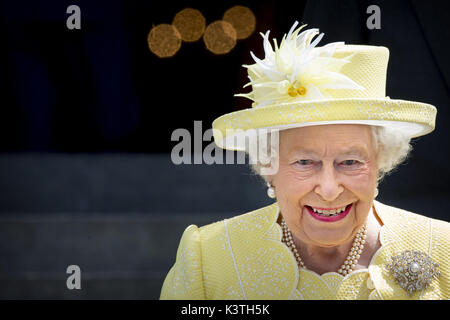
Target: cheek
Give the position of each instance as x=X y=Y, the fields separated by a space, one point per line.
x=364 y=182
x=290 y=188
x=291 y=183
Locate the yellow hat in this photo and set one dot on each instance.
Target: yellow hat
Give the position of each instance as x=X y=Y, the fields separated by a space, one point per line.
x=298 y=84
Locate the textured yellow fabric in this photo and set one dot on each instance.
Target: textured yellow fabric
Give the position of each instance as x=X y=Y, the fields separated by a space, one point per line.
x=244 y=258
x=369 y=106
x=368 y=69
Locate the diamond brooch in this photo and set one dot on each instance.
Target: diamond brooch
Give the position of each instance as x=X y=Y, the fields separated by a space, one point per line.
x=413 y=270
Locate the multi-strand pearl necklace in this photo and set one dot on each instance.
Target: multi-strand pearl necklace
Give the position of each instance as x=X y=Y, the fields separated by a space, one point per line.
x=350 y=262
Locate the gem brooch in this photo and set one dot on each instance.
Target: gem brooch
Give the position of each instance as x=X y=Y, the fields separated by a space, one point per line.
x=413 y=270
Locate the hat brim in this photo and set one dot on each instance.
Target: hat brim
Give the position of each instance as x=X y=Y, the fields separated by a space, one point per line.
x=412 y=118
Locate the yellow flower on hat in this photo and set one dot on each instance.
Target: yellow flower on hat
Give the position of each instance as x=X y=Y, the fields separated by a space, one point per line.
x=297 y=70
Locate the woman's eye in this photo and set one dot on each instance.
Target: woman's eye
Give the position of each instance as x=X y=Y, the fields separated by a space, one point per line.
x=305 y=162
x=350 y=162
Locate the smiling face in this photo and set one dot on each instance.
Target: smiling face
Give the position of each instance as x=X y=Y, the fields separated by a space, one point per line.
x=326 y=181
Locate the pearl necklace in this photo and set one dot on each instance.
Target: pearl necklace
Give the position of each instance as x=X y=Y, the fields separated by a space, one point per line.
x=350 y=262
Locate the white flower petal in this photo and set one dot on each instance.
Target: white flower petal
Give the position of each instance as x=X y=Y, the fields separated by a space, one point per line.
x=270 y=72
x=292 y=30
x=329 y=49
x=297 y=61
x=339 y=81
x=313 y=93
x=317 y=40
x=267 y=47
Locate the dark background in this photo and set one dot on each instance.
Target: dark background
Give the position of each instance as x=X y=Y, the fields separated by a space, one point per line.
x=87 y=115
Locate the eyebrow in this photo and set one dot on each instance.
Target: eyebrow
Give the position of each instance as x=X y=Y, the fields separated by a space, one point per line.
x=360 y=151
x=356 y=150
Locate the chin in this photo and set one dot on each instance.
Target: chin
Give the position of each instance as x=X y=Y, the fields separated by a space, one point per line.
x=331 y=238
x=330 y=243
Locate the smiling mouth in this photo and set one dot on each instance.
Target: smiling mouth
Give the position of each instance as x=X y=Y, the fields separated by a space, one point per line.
x=327 y=213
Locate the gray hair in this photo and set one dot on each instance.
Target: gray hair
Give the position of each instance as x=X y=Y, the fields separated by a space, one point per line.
x=393 y=147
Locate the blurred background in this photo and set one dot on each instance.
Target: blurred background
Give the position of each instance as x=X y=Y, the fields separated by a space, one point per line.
x=87 y=116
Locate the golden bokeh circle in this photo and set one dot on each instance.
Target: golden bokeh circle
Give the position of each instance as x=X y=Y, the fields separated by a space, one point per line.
x=164 y=40
x=220 y=37
x=190 y=23
x=242 y=19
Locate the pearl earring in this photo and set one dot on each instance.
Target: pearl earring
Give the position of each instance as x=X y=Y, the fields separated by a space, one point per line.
x=376 y=192
x=270 y=191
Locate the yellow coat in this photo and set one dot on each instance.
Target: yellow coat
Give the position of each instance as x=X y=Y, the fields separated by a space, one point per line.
x=244 y=258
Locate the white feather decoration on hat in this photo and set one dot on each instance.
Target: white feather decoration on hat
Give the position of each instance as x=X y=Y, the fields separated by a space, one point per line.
x=297 y=70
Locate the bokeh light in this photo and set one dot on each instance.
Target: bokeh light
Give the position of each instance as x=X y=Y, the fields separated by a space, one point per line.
x=164 y=40
x=190 y=23
x=242 y=19
x=220 y=37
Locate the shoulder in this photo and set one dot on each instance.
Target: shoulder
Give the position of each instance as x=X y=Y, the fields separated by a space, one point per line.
x=250 y=223
x=253 y=224
x=218 y=251
x=413 y=228
x=400 y=219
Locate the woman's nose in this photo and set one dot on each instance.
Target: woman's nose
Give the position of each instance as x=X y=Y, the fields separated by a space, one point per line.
x=328 y=185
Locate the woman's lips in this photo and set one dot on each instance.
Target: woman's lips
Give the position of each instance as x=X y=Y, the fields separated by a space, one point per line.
x=334 y=218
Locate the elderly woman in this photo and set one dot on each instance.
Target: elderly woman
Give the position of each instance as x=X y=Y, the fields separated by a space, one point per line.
x=325 y=134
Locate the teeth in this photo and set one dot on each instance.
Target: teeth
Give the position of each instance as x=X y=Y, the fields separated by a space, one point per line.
x=329 y=213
